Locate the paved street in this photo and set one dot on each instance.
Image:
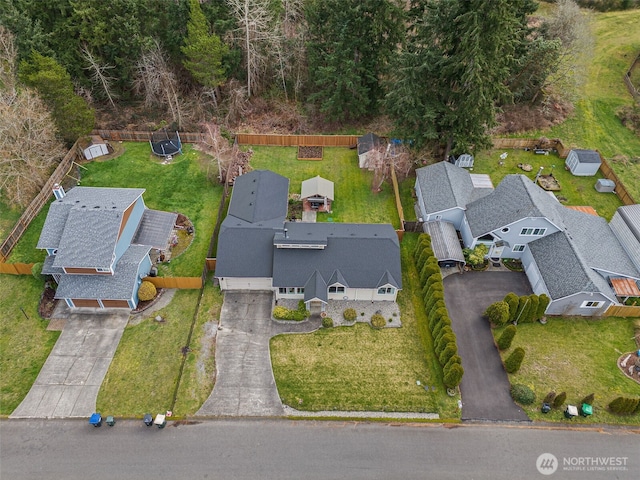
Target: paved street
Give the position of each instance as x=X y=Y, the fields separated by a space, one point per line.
x=244 y=384
x=485 y=385
x=270 y=449
x=69 y=381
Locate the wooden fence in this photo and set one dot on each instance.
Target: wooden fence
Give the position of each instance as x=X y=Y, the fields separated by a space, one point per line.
x=622 y=311
x=63 y=168
x=621 y=190
x=176 y=282
x=531 y=143
x=16 y=268
x=211 y=264
x=627 y=79
x=297 y=140
x=143 y=136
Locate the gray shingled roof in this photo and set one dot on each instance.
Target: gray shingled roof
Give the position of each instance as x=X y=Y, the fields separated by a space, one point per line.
x=597 y=244
x=317 y=186
x=119 y=286
x=587 y=156
x=367 y=142
x=362 y=254
x=155 y=228
x=258 y=196
x=515 y=198
x=316 y=288
x=445 y=186
x=564 y=270
x=444 y=241
x=625 y=224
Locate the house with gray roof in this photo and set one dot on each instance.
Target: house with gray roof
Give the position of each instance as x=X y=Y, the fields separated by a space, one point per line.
x=582 y=263
x=98 y=242
x=314 y=262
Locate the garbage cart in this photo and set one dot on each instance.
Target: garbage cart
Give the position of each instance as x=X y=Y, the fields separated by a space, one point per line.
x=95 y=419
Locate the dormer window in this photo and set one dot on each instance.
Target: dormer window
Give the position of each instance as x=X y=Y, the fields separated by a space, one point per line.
x=386 y=291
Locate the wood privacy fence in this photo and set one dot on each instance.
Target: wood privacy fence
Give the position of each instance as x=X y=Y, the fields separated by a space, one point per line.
x=622 y=311
x=63 y=168
x=143 y=136
x=176 y=282
x=16 y=268
x=297 y=140
x=531 y=143
x=627 y=79
x=621 y=190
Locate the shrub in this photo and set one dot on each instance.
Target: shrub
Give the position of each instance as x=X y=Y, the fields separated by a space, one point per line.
x=327 y=322
x=429 y=302
x=513 y=361
x=532 y=313
x=280 y=312
x=543 y=303
x=426 y=256
x=512 y=300
x=559 y=400
x=439 y=315
x=424 y=241
x=430 y=268
x=431 y=289
x=624 y=405
x=589 y=399
x=497 y=313
x=378 y=321
x=147 y=291
x=284 y=313
x=447 y=353
x=522 y=394
x=442 y=342
x=475 y=256
x=453 y=376
x=454 y=359
x=551 y=396
x=505 y=339
x=36 y=270
x=350 y=314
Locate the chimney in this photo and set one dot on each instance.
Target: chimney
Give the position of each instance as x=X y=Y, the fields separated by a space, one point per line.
x=285 y=232
x=58 y=191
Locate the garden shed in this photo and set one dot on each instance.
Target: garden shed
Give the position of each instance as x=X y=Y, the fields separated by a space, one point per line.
x=97 y=147
x=464 y=161
x=366 y=144
x=317 y=192
x=583 y=163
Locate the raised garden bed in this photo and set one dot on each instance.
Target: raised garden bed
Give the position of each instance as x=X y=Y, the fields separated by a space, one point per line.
x=309 y=153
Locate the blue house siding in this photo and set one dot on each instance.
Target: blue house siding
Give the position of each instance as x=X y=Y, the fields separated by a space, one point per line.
x=130 y=228
x=143 y=271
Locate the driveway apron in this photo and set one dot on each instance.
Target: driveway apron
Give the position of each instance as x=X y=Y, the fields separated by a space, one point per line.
x=245 y=385
x=485 y=385
x=69 y=381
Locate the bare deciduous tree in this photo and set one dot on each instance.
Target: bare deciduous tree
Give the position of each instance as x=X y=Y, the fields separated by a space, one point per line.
x=157 y=81
x=259 y=30
x=385 y=158
x=8 y=55
x=100 y=74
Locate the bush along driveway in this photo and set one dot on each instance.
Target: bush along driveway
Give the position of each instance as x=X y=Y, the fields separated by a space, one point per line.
x=485 y=386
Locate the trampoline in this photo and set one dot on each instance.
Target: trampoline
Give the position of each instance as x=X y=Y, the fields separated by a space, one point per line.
x=164 y=145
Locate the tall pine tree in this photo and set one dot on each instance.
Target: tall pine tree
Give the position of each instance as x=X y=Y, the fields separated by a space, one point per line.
x=452 y=75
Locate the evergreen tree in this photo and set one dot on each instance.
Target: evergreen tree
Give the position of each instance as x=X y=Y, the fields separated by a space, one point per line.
x=203 y=51
x=452 y=76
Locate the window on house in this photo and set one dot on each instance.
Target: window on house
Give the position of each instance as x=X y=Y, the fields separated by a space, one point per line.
x=300 y=290
x=292 y=290
x=537 y=232
x=103 y=270
x=591 y=304
x=386 y=290
x=282 y=290
x=336 y=289
x=518 y=248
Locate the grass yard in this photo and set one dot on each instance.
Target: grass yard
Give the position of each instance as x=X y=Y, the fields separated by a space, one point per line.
x=8 y=218
x=578 y=191
x=354 y=200
x=24 y=342
x=358 y=368
x=181 y=186
x=595 y=124
x=577 y=356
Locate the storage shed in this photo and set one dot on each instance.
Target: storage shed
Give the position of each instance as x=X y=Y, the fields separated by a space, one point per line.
x=583 y=163
x=605 y=185
x=97 y=147
x=366 y=143
x=464 y=161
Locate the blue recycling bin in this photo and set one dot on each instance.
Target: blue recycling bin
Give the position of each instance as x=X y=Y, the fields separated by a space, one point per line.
x=95 y=419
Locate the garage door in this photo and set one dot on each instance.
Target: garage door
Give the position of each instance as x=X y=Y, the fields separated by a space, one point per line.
x=115 y=304
x=534 y=278
x=248 y=283
x=83 y=302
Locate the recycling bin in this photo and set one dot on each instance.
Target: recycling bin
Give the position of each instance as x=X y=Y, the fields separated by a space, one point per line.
x=95 y=420
x=147 y=419
x=110 y=420
x=160 y=420
x=546 y=408
x=586 y=410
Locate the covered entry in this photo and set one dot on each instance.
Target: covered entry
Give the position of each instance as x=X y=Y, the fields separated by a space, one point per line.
x=445 y=243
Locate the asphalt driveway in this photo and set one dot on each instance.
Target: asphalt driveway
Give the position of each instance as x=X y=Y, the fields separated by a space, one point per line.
x=485 y=385
x=245 y=385
x=69 y=381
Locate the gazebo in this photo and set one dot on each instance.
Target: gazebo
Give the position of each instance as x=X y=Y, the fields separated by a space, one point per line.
x=317 y=194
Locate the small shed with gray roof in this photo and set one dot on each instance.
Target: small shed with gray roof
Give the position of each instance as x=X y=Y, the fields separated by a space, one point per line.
x=366 y=144
x=583 y=163
x=317 y=193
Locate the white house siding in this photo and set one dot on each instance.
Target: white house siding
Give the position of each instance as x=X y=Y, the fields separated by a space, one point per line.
x=512 y=236
x=245 y=283
x=571 y=305
x=362 y=294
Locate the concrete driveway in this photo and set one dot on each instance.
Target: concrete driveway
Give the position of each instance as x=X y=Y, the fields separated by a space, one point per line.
x=245 y=385
x=68 y=384
x=485 y=385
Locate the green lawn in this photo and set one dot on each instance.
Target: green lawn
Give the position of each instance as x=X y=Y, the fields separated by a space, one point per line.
x=577 y=356
x=354 y=201
x=595 y=124
x=24 y=342
x=577 y=191
x=181 y=186
x=358 y=368
x=146 y=367
x=8 y=218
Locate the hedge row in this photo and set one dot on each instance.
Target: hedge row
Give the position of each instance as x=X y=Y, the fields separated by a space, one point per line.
x=438 y=322
x=515 y=309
